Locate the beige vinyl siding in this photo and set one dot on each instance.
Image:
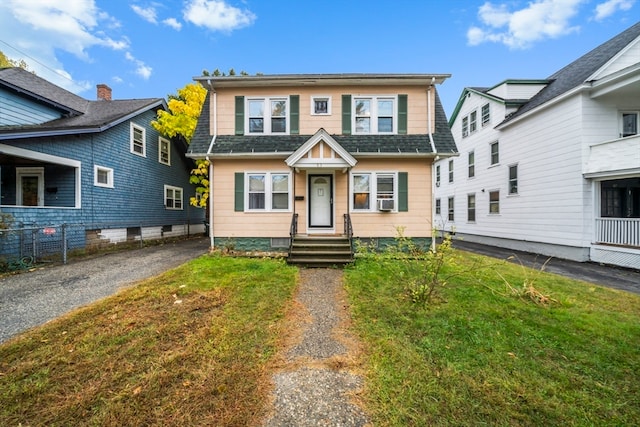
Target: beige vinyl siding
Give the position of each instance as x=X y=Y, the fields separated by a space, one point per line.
x=227 y=222
x=309 y=124
x=418 y=218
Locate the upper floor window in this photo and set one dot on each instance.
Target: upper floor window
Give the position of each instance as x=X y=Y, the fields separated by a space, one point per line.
x=437 y=175
x=486 y=114
x=450 y=170
x=438 y=207
x=320 y=105
x=164 y=151
x=267 y=115
x=629 y=124
x=465 y=126
x=473 y=121
x=138 y=140
x=375 y=114
x=172 y=197
x=472 y=164
x=495 y=153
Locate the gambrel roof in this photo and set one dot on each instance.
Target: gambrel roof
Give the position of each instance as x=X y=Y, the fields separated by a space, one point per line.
x=78 y=114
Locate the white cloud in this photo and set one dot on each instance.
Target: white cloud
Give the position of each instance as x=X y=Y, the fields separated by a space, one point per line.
x=540 y=20
x=609 y=7
x=142 y=69
x=147 y=13
x=173 y=23
x=217 y=15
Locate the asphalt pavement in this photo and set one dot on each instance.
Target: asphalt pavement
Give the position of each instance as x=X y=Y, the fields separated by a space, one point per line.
x=33 y=298
x=624 y=279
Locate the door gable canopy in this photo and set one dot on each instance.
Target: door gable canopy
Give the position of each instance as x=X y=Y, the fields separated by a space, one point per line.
x=321 y=151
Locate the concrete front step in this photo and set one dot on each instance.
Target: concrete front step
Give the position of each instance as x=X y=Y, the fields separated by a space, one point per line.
x=322 y=251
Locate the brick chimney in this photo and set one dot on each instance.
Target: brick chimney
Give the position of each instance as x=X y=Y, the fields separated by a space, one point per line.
x=104 y=92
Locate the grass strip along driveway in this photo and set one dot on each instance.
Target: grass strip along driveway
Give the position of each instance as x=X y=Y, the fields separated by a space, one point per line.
x=195 y=346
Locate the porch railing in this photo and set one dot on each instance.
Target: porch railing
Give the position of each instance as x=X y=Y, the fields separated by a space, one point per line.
x=293 y=230
x=618 y=231
x=348 y=229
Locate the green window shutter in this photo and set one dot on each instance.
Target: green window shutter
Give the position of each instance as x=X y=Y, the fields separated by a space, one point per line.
x=294 y=114
x=239 y=192
x=403 y=192
x=402 y=114
x=239 y=115
x=346 y=114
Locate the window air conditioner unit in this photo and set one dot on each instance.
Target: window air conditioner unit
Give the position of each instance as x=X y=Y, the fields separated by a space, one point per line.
x=385 y=204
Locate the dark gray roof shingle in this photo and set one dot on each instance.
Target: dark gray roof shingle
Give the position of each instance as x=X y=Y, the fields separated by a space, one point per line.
x=90 y=116
x=269 y=144
x=577 y=72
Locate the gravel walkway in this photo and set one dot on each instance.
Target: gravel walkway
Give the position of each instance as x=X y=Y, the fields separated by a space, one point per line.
x=33 y=298
x=316 y=384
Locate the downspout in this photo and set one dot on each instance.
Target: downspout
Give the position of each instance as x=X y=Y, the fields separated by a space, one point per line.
x=433 y=169
x=213 y=141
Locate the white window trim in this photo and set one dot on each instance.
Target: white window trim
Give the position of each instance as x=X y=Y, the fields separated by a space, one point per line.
x=486 y=122
x=373 y=190
x=471 y=165
x=517 y=192
x=109 y=172
x=491 y=144
x=489 y=193
x=621 y=123
x=267 y=114
x=373 y=125
x=268 y=192
x=173 y=208
x=320 y=97
x=160 y=140
x=38 y=172
x=451 y=171
x=144 y=140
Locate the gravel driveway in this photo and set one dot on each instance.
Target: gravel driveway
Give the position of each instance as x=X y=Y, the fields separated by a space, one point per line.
x=33 y=298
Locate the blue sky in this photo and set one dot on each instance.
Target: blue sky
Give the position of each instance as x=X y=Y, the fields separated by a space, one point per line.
x=151 y=48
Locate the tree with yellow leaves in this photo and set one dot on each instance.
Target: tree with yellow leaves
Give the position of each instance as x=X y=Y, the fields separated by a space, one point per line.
x=179 y=121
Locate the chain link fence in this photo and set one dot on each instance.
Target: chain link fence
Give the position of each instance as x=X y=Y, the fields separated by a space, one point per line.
x=28 y=245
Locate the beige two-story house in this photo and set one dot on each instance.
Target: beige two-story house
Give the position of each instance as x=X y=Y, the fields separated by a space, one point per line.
x=321 y=156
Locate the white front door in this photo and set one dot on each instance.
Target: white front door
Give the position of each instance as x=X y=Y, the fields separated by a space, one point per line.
x=321 y=201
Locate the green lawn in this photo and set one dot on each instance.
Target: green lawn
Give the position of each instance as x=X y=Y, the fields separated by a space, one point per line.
x=195 y=346
x=478 y=355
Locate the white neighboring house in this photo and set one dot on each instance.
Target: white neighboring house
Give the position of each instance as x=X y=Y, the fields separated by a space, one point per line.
x=551 y=166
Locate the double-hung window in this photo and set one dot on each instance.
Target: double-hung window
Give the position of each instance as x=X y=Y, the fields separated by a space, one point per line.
x=513 y=179
x=375 y=191
x=471 y=207
x=438 y=207
x=268 y=191
x=437 y=175
x=451 y=209
x=164 y=151
x=494 y=202
x=138 y=142
x=473 y=121
x=173 y=197
x=485 y=112
x=450 y=170
x=375 y=114
x=465 y=126
x=495 y=153
x=472 y=164
x=267 y=115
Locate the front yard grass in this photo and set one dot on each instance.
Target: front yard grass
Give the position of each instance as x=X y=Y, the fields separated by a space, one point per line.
x=478 y=354
x=193 y=347
x=188 y=347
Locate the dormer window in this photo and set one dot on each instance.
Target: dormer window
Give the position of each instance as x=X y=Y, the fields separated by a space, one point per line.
x=374 y=114
x=267 y=115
